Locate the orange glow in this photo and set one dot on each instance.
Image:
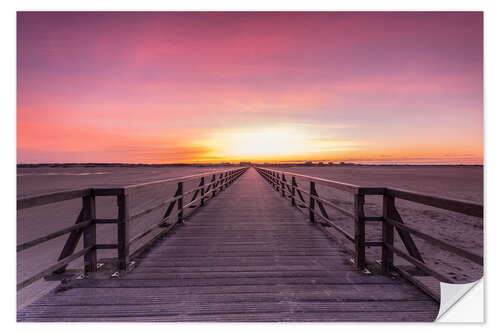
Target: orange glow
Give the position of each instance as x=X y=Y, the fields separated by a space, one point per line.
x=269 y=144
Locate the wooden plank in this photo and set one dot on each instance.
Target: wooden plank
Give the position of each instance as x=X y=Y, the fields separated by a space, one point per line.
x=197 y=308
x=437 y=242
x=112 y=192
x=342 y=291
x=52 y=269
x=267 y=316
x=404 y=273
x=336 y=207
x=392 y=213
x=421 y=265
x=460 y=206
x=72 y=242
x=45 y=199
x=76 y=227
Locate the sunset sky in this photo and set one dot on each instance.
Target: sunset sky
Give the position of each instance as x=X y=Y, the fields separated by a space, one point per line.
x=208 y=87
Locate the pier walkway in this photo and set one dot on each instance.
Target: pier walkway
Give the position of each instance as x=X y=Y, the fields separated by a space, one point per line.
x=245 y=256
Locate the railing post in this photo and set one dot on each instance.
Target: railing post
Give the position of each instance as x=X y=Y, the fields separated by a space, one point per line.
x=389 y=209
x=123 y=231
x=283 y=180
x=202 y=191
x=180 y=203
x=312 y=191
x=294 y=183
x=214 y=183
x=359 y=230
x=221 y=182
x=89 y=234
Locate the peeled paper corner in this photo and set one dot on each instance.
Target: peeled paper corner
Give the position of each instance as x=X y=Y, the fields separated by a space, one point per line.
x=462 y=302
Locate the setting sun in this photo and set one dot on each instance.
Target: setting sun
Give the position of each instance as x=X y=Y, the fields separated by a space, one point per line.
x=258 y=143
x=271 y=144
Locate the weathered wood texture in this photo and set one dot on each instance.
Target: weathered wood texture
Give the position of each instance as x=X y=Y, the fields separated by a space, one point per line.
x=245 y=256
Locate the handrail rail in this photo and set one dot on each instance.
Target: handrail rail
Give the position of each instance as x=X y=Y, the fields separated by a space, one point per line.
x=86 y=222
x=391 y=220
x=51 y=197
x=455 y=205
x=132 y=188
x=338 y=185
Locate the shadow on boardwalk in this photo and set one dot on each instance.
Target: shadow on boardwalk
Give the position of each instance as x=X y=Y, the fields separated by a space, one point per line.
x=246 y=256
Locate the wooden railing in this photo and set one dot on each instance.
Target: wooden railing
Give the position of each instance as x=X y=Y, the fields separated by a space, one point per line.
x=286 y=183
x=210 y=184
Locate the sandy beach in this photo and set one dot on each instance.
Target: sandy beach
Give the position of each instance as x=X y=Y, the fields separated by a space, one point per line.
x=455 y=182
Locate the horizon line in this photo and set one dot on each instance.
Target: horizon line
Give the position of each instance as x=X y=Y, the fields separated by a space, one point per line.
x=319 y=163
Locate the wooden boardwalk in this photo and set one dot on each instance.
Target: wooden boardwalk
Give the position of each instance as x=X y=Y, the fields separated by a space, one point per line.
x=246 y=256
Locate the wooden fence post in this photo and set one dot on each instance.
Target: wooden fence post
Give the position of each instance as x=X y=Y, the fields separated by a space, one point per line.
x=283 y=181
x=123 y=231
x=312 y=191
x=180 y=203
x=359 y=230
x=214 y=183
x=294 y=183
x=202 y=184
x=89 y=234
x=388 y=234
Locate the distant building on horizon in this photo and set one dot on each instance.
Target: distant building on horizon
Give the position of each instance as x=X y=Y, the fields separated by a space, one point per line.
x=245 y=163
x=308 y=163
